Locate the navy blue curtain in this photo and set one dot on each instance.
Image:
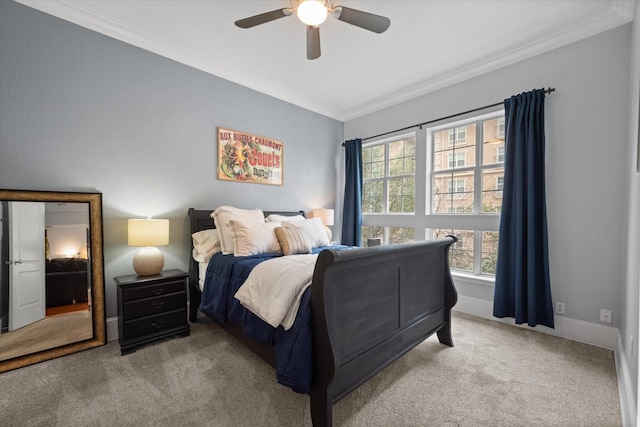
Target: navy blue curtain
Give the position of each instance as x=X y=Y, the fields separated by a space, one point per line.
x=522 y=288
x=352 y=210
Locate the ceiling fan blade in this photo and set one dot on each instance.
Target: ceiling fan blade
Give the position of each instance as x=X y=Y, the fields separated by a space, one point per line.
x=263 y=18
x=366 y=20
x=313 y=42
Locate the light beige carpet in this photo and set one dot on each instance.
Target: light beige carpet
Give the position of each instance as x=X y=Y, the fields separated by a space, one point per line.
x=496 y=375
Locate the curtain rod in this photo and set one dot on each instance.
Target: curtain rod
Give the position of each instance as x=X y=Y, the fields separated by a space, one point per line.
x=547 y=91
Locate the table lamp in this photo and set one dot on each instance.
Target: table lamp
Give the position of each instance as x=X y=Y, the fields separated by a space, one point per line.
x=148 y=233
x=326 y=216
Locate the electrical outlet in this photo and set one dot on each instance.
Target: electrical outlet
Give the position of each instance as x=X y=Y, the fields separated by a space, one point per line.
x=605 y=315
x=559 y=307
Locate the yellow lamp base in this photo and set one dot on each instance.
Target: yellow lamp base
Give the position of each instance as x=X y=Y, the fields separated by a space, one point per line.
x=148 y=261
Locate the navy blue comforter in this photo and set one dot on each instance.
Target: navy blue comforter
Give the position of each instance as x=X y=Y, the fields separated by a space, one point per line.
x=294 y=348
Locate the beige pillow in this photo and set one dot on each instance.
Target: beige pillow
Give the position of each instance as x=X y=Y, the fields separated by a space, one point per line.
x=224 y=214
x=205 y=244
x=253 y=239
x=293 y=241
x=312 y=228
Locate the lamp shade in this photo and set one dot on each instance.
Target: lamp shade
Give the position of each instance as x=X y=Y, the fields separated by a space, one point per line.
x=148 y=232
x=325 y=215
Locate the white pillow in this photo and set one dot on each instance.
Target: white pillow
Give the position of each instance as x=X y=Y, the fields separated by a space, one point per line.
x=280 y=218
x=224 y=214
x=253 y=239
x=205 y=244
x=312 y=228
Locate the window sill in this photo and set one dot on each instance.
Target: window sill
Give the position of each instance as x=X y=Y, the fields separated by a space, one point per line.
x=474 y=279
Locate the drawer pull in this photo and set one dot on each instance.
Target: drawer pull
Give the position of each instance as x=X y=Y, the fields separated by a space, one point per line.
x=157 y=291
x=158 y=324
x=157 y=304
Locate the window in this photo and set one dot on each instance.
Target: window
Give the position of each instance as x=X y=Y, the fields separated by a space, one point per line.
x=470 y=186
x=456 y=170
x=393 y=234
x=468 y=255
x=388 y=171
x=372 y=232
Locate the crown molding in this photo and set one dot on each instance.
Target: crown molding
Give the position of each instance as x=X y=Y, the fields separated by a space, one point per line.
x=619 y=13
x=75 y=14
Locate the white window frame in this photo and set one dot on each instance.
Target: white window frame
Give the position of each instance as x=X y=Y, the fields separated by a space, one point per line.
x=476 y=221
x=386 y=178
x=423 y=221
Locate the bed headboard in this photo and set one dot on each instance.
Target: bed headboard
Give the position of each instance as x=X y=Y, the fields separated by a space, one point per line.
x=200 y=219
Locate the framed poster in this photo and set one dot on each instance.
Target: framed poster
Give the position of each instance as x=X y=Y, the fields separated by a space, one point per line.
x=244 y=157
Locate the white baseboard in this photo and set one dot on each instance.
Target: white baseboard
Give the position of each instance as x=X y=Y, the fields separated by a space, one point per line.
x=625 y=387
x=577 y=330
x=112 y=328
x=566 y=327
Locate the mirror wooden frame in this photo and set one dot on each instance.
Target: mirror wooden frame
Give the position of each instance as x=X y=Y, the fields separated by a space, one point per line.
x=94 y=199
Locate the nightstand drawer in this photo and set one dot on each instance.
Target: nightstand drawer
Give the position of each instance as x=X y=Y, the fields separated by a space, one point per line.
x=152 y=290
x=154 y=324
x=155 y=305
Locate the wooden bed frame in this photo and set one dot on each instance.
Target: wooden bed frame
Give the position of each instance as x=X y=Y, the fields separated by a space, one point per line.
x=370 y=306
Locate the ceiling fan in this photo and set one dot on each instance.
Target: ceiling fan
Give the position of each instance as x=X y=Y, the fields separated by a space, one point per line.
x=315 y=12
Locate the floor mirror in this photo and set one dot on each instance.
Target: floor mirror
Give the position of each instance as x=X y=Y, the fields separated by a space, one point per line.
x=51 y=275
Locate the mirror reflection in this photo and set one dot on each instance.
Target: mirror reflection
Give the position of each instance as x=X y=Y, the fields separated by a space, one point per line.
x=46 y=292
x=51 y=278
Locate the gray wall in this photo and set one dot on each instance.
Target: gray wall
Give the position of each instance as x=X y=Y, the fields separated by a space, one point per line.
x=630 y=297
x=593 y=189
x=586 y=130
x=79 y=109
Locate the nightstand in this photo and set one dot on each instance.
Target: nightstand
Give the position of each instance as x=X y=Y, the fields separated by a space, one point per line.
x=151 y=308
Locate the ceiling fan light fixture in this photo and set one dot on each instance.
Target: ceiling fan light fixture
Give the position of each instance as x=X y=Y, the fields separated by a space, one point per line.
x=312 y=12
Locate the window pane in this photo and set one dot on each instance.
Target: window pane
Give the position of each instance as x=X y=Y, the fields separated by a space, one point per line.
x=402 y=157
x=493 y=156
x=492 y=186
x=461 y=253
x=401 y=234
x=493 y=132
x=373 y=162
x=489 y=252
x=371 y=232
x=458 y=152
x=401 y=195
x=372 y=197
x=453 y=192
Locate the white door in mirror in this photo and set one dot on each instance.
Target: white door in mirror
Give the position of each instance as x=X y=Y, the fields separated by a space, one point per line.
x=26 y=264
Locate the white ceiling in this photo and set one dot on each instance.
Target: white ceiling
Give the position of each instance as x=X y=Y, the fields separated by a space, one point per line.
x=430 y=44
